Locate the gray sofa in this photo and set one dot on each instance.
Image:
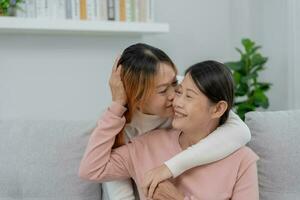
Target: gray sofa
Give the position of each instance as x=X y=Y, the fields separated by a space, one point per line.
x=40 y=159
x=276 y=139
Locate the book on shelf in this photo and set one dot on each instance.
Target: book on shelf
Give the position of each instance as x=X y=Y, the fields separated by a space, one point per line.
x=90 y=10
x=111 y=10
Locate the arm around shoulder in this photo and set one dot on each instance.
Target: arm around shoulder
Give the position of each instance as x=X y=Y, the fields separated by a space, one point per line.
x=222 y=142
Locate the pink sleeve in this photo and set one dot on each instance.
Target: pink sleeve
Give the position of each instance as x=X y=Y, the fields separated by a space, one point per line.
x=190 y=198
x=246 y=187
x=101 y=163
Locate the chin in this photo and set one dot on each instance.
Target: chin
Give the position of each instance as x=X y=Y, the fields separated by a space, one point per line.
x=168 y=113
x=176 y=124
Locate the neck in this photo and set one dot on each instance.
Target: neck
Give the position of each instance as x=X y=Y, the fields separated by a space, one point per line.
x=190 y=137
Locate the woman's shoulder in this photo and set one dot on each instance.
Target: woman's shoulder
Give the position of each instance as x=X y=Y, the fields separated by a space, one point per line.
x=236 y=163
x=247 y=152
x=245 y=156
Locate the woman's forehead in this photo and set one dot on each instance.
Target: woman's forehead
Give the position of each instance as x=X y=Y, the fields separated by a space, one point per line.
x=165 y=75
x=188 y=82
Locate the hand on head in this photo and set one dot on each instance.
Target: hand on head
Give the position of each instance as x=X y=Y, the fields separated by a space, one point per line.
x=116 y=85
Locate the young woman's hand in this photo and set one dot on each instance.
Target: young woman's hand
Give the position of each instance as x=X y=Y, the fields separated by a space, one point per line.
x=116 y=85
x=167 y=191
x=154 y=177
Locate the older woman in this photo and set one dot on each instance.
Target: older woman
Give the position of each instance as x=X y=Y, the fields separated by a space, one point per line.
x=202 y=103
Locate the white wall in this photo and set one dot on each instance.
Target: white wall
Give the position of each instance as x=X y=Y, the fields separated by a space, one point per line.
x=200 y=29
x=65 y=77
x=296 y=73
x=55 y=77
x=293 y=53
x=273 y=26
x=266 y=22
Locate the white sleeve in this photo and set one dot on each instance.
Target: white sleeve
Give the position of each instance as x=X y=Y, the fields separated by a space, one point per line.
x=121 y=189
x=222 y=142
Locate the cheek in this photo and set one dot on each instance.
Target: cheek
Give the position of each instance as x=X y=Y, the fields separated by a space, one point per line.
x=155 y=104
x=197 y=110
x=159 y=101
x=194 y=109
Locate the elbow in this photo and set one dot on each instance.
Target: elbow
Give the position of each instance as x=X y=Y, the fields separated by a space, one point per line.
x=246 y=134
x=240 y=127
x=83 y=173
x=86 y=173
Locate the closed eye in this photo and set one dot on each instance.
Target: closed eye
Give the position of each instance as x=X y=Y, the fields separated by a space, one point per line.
x=177 y=92
x=175 y=83
x=162 y=92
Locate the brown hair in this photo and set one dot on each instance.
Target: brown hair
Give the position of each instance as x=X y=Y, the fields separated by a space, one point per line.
x=140 y=63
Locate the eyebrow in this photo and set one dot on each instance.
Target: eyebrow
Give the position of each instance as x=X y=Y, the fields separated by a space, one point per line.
x=189 y=89
x=167 y=84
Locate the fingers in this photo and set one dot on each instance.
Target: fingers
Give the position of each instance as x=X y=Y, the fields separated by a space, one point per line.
x=147 y=182
x=115 y=66
x=119 y=70
x=145 y=190
x=116 y=71
x=152 y=188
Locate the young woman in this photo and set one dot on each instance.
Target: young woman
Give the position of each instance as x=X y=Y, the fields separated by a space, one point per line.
x=145 y=84
x=202 y=104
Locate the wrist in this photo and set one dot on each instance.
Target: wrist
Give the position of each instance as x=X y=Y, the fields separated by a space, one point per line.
x=117 y=109
x=120 y=101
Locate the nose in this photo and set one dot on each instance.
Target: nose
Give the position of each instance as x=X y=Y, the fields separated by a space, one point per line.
x=171 y=93
x=177 y=101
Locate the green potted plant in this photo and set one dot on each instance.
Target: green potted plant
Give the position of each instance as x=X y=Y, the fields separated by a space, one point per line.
x=9 y=7
x=250 y=93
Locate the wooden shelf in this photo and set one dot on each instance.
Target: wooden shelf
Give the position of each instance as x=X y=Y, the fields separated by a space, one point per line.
x=48 y=26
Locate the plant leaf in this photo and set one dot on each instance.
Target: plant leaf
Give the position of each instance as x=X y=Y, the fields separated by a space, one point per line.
x=243 y=108
x=257 y=59
x=260 y=99
x=254 y=49
x=235 y=66
x=239 y=50
x=245 y=79
x=256 y=69
x=236 y=77
x=248 y=44
x=241 y=90
x=263 y=86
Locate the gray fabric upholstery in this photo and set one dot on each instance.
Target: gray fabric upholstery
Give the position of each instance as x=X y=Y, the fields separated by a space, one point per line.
x=40 y=160
x=276 y=139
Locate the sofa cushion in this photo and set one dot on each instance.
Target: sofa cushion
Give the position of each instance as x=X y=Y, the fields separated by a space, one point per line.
x=276 y=139
x=40 y=160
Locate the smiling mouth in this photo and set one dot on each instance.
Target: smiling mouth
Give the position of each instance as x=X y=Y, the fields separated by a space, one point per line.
x=179 y=114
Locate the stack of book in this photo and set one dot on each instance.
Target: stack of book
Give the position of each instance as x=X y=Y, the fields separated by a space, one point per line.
x=115 y=10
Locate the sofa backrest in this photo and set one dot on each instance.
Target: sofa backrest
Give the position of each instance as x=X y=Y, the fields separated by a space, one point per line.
x=276 y=140
x=40 y=160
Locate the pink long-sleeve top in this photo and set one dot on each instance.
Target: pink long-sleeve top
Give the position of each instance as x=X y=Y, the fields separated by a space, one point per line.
x=234 y=177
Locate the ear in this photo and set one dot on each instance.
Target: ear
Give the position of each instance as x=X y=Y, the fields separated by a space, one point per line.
x=219 y=109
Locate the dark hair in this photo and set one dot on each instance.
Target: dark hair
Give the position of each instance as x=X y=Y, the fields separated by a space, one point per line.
x=140 y=64
x=215 y=80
